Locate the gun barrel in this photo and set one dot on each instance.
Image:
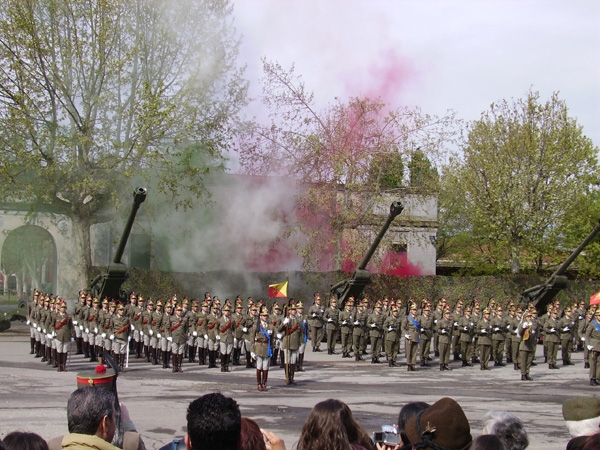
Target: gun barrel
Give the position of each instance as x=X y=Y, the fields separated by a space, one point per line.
x=563 y=267
x=139 y=195
x=395 y=209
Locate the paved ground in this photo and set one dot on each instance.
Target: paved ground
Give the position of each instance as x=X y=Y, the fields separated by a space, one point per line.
x=33 y=396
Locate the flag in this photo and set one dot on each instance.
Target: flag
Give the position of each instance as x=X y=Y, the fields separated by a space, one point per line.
x=278 y=290
x=595 y=299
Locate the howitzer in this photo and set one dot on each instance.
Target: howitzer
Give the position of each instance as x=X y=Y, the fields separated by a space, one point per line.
x=354 y=286
x=542 y=294
x=117 y=272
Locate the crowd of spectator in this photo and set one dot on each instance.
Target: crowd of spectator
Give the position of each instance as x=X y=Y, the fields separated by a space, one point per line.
x=214 y=421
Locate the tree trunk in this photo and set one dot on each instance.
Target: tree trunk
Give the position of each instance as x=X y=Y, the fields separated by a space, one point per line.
x=82 y=254
x=515 y=264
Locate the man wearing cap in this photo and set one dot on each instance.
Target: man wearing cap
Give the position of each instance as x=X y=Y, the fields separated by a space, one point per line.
x=260 y=347
x=225 y=335
x=583 y=325
x=105 y=324
x=63 y=327
x=467 y=328
x=315 y=317
x=146 y=327
x=212 y=333
x=201 y=328
x=82 y=322
x=276 y=318
x=426 y=322
x=582 y=419
x=592 y=340
x=346 y=318
x=444 y=330
x=93 y=330
x=438 y=315
x=552 y=337
x=119 y=336
x=331 y=317
x=484 y=339
x=163 y=336
x=359 y=330
x=393 y=329
x=526 y=330
x=191 y=318
x=498 y=336
x=567 y=326
x=155 y=332
x=136 y=326
x=304 y=333
x=238 y=317
x=76 y=316
x=177 y=337
x=412 y=334
x=290 y=331
x=375 y=326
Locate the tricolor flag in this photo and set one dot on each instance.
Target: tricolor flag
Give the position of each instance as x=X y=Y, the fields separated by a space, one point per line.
x=278 y=290
x=595 y=299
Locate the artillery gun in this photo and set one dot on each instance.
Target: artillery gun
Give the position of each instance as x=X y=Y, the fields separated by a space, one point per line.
x=353 y=287
x=541 y=295
x=108 y=284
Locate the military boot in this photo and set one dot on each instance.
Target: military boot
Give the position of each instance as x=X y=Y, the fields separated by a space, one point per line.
x=299 y=367
x=265 y=375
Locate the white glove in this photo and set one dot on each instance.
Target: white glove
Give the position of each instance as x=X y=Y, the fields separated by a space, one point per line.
x=330 y=320
x=141 y=333
x=81 y=327
x=194 y=333
x=96 y=330
x=170 y=339
x=472 y=324
x=444 y=331
x=87 y=330
x=218 y=337
x=484 y=331
x=234 y=341
x=269 y=332
x=35 y=325
x=245 y=329
x=158 y=335
x=422 y=330
x=132 y=327
x=508 y=327
x=435 y=321
x=356 y=322
x=253 y=355
x=566 y=329
x=407 y=336
x=345 y=322
x=314 y=314
x=39 y=328
x=54 y=334
x=28 y=322
x=45 y=331
x=287 y=320
x=279 y=335
x=151 y=332
x=72 y=339
x=525 y=324
x=206 y=336
x=466 y=328
x=373 y=325
x=103 y=335
x=496 y=329
x=532 y=331
x=583 y=338
x=590 y=347
x=552 y=330
x=49 y=336
x=455 y=324
x=112 y=337
x=390 y=328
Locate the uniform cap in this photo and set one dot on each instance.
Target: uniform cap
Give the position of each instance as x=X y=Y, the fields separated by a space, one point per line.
x=226 y=308
x=486 y=311
x=100 y=377
x=159 y=303
x=299 y=305
x=120 y=307
x=264 y=311
x=179 y=308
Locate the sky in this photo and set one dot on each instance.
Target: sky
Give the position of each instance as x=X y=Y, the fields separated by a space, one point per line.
x=438 y=55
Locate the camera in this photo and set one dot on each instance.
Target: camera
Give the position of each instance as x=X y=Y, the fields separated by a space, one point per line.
x=386 y=437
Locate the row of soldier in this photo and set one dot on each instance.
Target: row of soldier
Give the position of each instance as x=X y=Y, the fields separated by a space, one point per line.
x=168 y=331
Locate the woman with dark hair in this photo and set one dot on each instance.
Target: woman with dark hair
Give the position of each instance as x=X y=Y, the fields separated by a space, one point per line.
x=330 y=425
x=21 y=440
x=406 y=412
x=252 y=437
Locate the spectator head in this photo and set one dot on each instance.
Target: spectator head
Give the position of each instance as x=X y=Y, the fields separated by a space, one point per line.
x=592 y=442
x=441 y=426
x=406 y=412
x=91 y=410
x=322 y=428
x=20 y=440
x=488 y=442
x=507 y=427
x=251 y=436
x=213 y=421
x=582 y=415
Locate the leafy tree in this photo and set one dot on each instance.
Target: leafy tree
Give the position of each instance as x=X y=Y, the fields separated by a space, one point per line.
x=95 y=93
x=523 y=166
x=344 y=158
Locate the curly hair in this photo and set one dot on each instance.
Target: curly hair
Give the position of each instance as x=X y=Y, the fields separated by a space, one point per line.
x=508 y=427
x=331 y=425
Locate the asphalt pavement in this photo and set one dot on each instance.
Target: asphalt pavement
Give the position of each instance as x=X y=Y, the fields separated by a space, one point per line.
x=33 y=395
